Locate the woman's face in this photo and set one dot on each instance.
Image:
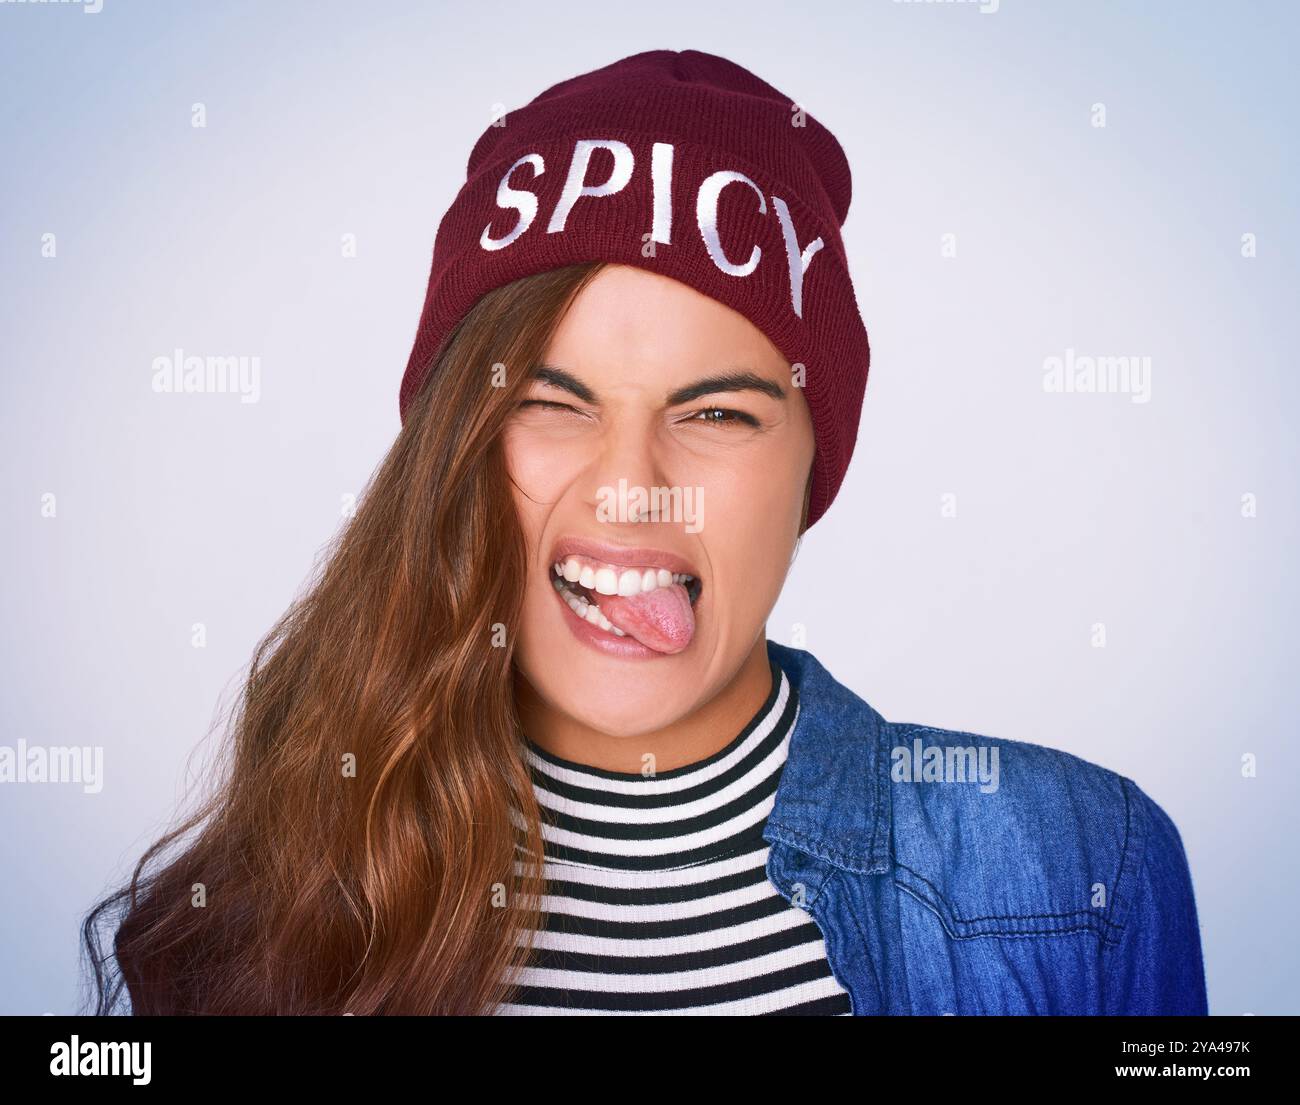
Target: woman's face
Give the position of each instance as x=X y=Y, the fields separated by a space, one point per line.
x=662 y=437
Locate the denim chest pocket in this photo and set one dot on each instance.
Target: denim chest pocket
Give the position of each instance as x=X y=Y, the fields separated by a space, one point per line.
x=965 y=917
x=1052 y=848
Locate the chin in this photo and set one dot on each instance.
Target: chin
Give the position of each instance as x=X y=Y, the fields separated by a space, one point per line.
x=632 y=713
x=609 y=695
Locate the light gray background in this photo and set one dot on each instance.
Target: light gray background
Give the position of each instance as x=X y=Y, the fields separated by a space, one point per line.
x=327 y=119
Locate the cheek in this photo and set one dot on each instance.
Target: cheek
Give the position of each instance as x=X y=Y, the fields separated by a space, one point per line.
x=542 y=467
x=752 y=562
x=762 y=498
x=751 y=526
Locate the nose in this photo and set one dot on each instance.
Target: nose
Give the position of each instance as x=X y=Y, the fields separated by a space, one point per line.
x=626 y=470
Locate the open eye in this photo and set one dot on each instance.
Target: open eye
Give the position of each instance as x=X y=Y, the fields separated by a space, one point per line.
x=721 y=416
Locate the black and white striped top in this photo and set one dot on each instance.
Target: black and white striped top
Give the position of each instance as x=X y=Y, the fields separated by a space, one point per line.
x=658 y=901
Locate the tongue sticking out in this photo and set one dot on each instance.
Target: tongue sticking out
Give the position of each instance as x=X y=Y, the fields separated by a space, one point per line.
x=661 y=619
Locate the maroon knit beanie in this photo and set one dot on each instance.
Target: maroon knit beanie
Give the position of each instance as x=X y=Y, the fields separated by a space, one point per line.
x=688 y=165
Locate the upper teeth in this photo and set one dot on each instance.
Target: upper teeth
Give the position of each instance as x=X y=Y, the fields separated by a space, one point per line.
x=608 y=581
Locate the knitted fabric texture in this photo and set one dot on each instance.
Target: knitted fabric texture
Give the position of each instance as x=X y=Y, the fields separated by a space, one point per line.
x=685 y=164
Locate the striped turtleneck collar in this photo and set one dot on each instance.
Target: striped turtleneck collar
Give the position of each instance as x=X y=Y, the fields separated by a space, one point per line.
x=672 y=819
x=657 y=898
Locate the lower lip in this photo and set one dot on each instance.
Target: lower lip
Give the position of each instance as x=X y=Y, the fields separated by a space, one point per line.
x=627 y=648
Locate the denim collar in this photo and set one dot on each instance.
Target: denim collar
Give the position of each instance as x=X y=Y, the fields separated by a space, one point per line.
x=833 y=800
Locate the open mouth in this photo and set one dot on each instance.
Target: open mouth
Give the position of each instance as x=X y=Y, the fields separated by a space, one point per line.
x=653 y=604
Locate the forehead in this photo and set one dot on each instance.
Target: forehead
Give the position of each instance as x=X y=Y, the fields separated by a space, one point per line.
x=628 y=323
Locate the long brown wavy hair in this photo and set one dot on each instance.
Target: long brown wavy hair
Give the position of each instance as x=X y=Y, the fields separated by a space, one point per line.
x=357 y=852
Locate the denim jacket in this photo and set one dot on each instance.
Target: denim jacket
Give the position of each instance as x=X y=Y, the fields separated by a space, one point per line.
x=1043 y=884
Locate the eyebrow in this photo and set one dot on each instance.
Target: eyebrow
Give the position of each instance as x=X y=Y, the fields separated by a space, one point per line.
x=738 y=380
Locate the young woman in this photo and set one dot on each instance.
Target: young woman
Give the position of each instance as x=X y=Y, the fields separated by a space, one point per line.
x=524 y=746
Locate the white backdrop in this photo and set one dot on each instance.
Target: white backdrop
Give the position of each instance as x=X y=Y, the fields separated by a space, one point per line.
x=1071 y=510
